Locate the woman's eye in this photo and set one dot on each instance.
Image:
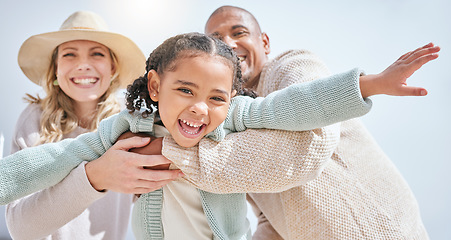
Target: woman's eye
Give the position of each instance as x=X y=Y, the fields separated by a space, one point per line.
x=68 y=55
x=98 y=54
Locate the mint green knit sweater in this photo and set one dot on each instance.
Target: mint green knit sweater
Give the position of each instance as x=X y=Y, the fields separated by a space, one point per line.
x=298 y=107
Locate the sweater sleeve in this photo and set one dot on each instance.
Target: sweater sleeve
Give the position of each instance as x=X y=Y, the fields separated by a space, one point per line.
x=261 y=160
x=52 y=207
x=37 y=168
x=299 y=107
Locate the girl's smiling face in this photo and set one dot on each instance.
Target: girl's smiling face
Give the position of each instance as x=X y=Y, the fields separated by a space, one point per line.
x=193 y=98
x=84 y=70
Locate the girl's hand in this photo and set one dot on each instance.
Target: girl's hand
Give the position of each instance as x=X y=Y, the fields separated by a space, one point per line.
x=393 y=80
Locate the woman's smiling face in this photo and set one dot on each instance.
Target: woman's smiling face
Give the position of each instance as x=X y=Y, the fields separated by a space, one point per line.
x=84 y=70
x=193 y=98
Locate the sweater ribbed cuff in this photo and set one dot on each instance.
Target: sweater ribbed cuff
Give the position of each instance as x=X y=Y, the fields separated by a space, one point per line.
x=351 y=101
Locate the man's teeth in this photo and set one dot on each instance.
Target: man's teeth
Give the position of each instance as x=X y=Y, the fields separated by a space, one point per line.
x=242 y=58
x=84 y=80
x=191 y=124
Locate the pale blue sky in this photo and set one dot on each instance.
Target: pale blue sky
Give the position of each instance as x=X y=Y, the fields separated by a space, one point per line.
x=414 y=132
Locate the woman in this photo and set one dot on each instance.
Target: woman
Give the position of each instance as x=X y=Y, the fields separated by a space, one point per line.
x=80 y=67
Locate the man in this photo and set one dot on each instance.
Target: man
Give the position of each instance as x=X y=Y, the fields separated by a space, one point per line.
x=359 y=194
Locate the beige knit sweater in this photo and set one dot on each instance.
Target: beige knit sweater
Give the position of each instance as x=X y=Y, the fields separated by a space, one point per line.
x=357 y=194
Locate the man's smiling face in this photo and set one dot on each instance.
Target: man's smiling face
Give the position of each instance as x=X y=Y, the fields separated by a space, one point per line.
x=239 y=30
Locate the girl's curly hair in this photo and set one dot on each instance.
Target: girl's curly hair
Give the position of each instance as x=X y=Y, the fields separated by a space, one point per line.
x=164 y=58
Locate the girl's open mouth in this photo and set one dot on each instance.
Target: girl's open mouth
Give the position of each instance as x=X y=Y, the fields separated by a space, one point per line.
x=190 y=129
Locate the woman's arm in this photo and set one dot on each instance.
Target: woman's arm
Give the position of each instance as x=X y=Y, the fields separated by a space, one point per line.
x=56 y=206
x=52 y=207
x=40 y=167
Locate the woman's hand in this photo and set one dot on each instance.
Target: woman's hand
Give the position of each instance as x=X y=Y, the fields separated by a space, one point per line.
x=393 y=80
x=123 y=171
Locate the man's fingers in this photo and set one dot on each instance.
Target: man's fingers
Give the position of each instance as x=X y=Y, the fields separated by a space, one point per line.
x=160 y=175
x=150 y=160
x=133 y=142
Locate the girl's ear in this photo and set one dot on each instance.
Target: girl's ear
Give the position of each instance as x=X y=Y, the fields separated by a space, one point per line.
x=233 y=93
x=153 y=85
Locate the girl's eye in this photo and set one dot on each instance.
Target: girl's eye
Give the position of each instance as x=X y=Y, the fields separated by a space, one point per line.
x=185 y=90
x=218 y=99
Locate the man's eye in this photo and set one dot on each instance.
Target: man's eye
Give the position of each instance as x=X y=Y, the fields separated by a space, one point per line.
x=240 y=33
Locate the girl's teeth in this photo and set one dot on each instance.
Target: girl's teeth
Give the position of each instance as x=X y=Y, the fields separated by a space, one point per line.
x=189 y=132
x=191 y=124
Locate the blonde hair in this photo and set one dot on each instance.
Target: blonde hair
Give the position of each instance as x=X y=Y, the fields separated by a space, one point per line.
x=58 y=116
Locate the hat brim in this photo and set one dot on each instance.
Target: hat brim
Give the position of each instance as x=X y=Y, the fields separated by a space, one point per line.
x=35 y=54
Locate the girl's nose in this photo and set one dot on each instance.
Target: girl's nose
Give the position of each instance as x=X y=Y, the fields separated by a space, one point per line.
x=199 y=108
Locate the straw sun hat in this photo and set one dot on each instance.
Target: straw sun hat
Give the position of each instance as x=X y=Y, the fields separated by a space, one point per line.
x=35 y=54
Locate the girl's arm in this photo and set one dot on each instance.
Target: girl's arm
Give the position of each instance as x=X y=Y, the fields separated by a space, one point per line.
x=270 y=161
x=325 y=101
x=301 y=107
x=261 y=160
x=40 y=167
x=52 y=207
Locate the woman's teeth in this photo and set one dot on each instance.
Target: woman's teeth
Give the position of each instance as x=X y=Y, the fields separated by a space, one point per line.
x=85 y=81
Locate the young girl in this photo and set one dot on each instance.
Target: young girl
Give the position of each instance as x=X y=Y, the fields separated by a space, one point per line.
x=193 y=78
x=80 y=67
